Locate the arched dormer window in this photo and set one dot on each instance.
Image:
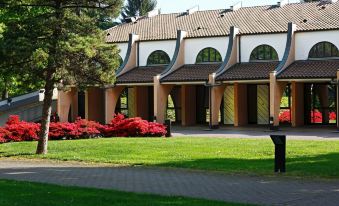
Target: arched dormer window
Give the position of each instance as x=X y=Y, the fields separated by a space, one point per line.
x=264 y=53
x=158 y=58
x=208 y=55
x=323 y=50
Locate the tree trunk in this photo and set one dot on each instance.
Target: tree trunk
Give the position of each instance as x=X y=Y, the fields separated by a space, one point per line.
x=5 y=92
x=46 y=115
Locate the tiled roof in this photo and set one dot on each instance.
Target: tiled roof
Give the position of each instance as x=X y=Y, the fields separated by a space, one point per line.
x=250 y=20
x=310 y=69
x=191 y=72
x=140 y=75
x=248 y=71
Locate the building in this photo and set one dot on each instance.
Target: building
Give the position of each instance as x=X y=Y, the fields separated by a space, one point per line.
x=237 y=66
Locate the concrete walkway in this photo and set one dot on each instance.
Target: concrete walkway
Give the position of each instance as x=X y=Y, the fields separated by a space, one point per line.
x=176 y=182
x=303 y=133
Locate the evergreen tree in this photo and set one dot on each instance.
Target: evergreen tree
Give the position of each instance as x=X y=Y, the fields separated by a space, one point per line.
x=59 y=43
x=137 y=8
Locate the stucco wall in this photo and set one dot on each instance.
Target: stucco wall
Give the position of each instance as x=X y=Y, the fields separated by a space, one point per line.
x=250 y=42
x=194 y=46
x=146 y=48
x=123 y=49
x=306 y=40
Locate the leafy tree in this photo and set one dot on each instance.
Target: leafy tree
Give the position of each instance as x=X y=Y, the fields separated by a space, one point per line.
x=137 y=8
x=59 y=42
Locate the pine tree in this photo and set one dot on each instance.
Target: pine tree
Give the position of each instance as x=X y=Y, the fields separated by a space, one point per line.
x=58 y=42
x=137 y=8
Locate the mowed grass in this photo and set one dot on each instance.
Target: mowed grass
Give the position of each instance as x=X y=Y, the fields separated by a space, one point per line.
x=244 y=156
x=15 y=193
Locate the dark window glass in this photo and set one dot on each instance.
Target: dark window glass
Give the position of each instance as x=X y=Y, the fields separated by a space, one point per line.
x=158 y=57
x=323 y=50
x=264 y=53
x=208 y=55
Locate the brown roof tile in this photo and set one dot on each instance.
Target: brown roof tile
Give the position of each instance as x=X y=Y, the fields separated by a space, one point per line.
x=310 y=69
x=250 y=20
x=140 y=75
x=191 y=72
x=249 y=71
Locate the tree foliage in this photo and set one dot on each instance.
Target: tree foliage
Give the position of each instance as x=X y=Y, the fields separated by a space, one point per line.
x=59 y=43
x=137 y=8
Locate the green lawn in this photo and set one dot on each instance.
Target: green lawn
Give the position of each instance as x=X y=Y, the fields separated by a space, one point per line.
x=33 y=194
x=304 y=158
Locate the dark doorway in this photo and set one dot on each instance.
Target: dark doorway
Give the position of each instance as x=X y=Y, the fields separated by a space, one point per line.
x=81 y=104
x=150 y=103
x=202 y=109
x=252 y=104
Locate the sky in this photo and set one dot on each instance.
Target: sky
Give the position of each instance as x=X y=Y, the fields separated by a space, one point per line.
x=173 y=6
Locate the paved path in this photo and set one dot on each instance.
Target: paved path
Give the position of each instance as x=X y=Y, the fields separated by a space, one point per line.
x=306 y=133
x=177 y=182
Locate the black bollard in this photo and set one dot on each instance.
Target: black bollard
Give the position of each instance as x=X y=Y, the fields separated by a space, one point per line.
x=280 y=153
x=168 y=125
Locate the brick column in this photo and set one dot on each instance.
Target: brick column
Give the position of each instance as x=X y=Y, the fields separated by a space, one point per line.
x=188 y=105
x=297 y=107
x=67 y=101
x=161 y=92
x=111 y=99
x=240 y=105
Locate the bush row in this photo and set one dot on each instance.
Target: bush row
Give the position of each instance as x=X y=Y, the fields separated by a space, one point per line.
x=16 y=130
x=316 y=116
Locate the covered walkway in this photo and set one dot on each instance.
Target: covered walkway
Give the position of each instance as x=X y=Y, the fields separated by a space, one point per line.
x=302 y=133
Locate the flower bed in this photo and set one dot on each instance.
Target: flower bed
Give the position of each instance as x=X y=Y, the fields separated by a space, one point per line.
x=16 y=130
x=316 y=117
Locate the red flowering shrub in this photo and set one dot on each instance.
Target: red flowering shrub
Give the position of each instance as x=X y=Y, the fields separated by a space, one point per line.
x=133 y=127
x=316 y=116
x=285 y=117
x=20 y=130
x=333 y=116
x=86 y=129
x=61 y=130
x=80 y=129
x=17 y=130
x=3 y=135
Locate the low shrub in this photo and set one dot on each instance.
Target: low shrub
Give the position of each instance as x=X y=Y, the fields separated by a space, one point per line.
x=16 y=130
x=133 y=127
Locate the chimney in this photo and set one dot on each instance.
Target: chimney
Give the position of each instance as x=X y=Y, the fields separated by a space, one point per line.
x=236 y=6
x=153 y=13
x=282 y=3
x=192 y=10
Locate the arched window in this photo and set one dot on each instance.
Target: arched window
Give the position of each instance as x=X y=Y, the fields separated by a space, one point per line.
x=158 y=57
x=264 y=53
x=323 y=50
x=208 y=55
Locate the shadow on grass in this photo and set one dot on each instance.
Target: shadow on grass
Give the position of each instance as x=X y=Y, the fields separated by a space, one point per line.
x=325 y=165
